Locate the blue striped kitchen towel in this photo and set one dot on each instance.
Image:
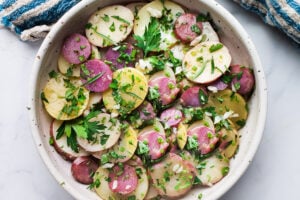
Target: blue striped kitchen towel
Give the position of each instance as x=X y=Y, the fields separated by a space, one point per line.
x=32 y=19
x=283 y=14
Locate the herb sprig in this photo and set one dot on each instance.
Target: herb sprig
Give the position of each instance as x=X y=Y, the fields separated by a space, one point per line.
x=150 y=41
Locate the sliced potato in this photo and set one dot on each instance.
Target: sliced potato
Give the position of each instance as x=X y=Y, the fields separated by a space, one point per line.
x=95 y=53
x=109 y=26
x=155 y=9
x=213 y=169
x=227 y=100
x=126 y=145
x=105 y=193
x=65 y=67
x=206 y=62
x=181 y=135
x=55 y=97
x=111 y=132
x=172 y=177
x=229 y=142
x=132 y=88
x=208 y=34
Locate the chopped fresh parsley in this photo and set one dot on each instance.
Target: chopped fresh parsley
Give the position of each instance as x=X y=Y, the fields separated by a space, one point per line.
x=95 y=184
x=112 y=27
x=44 y=98
x=192 y=143
x=105 y=18
x=241 y=122
x=150 y=41
x=53 y=74
x=196 y=29
x=225 y=171
x=143 y=148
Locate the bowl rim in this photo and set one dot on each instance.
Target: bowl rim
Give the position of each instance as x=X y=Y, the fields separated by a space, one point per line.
x=244 y=37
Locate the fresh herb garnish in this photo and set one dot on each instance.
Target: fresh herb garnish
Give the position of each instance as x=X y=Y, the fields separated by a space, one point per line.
x=150 y=41
x=225 y=171
x=203 y=98
x=121 y=19
x=53 y=74
x=212 y=64
x=91 y=80
x=105 y=18
x=105 y=38
x=112 y=27
x=44 y=98
x=215 y=47
x=196 y=29
x=192 y=143
x=82 y=127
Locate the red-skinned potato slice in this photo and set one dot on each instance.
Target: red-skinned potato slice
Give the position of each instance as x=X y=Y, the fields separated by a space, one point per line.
x=187 y=28
x=106 y=194
x=123 y=180
x=76 y=48
x=95 y=68
x=83 y=168
x=61 y=146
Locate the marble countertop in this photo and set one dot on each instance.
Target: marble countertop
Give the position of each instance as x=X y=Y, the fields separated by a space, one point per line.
x=274 y=173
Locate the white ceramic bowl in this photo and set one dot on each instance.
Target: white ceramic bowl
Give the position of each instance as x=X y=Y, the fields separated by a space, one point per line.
x=232 y=35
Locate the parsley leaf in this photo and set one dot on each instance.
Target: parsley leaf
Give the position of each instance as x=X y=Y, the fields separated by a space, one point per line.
x=196 y=29
x=44 y=98
x=150 y=41
x=72 y=142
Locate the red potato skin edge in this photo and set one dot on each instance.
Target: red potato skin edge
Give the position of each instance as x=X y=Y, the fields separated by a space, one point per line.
x=64 y=155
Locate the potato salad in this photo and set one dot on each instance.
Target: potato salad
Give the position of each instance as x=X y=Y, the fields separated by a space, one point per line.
x=146 y=102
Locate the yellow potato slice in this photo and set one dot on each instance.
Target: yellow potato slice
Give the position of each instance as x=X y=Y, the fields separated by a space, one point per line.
x=227 y=100
x=101 y=176
x=132 y=88
x=109 y=26
x=206 y=62
x=126 y=145
x=65 y=67
x=55 y=94
x=232 y=138
x=181 y=136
